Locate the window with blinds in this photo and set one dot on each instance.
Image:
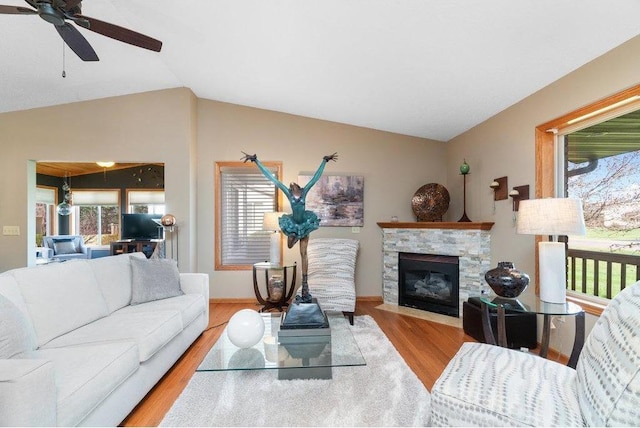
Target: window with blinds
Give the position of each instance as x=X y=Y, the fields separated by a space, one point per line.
x=145 y=201
x=96 y=215
x=243 y=195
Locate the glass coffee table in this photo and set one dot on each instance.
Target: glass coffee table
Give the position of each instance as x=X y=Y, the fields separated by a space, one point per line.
x=300 y=357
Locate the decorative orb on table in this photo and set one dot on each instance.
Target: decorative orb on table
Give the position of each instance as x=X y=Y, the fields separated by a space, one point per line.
x=245 y=328
x=430 y=202
x=507 y=281
x=168 y=220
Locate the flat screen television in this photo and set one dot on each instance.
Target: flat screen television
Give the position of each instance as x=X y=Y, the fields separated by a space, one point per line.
x=140 y=227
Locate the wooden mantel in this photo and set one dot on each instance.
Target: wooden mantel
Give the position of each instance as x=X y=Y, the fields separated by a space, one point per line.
x=484 y=225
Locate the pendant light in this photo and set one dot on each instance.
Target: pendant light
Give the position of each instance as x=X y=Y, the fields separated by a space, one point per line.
x=64 y=207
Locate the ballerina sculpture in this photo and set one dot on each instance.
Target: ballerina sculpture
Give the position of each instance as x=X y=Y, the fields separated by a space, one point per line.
x=300 y=223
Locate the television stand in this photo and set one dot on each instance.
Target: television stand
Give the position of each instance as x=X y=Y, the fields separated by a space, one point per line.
x=146 y=246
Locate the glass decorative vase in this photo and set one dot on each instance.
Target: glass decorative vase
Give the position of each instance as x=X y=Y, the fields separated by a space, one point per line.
x=506 y=281
x=275 y=288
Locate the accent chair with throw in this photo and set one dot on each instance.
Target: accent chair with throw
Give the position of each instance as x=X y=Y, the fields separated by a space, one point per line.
x=67 y=247
x=331 y=273
x=485 y=385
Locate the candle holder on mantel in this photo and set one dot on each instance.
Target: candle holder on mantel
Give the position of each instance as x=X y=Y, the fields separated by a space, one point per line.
x=464 y=170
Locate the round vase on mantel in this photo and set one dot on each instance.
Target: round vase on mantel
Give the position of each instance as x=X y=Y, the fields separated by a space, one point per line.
x=506 y=281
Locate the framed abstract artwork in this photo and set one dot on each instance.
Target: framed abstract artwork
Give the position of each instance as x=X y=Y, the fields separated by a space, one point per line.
x=338 y=200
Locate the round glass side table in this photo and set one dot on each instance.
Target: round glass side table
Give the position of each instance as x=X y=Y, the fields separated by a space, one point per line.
x=286 y=276
x=546 y=309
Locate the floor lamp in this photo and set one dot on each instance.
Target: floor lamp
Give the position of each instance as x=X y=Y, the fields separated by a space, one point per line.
x=552 y=217
x=270 y=222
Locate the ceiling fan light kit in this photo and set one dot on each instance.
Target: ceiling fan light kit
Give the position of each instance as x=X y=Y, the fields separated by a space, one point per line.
x=58 y=12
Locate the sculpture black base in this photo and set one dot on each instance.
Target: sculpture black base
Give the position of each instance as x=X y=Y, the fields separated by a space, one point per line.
x=304 y=316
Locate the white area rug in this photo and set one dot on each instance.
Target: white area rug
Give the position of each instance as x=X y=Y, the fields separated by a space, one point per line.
x=385 y=392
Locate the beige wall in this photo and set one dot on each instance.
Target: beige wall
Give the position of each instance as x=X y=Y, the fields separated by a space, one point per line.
x=150 y=127
x=393 y=166
x=189 y=135
x=504 y=145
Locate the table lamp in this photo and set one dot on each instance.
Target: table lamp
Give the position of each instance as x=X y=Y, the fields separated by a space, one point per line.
x=270 y=222
x=553 y=217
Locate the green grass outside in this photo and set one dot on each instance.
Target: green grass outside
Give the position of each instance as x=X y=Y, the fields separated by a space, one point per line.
x=603 y=233
x=602 y=278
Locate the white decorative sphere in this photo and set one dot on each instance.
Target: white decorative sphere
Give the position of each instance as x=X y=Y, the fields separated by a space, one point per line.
x=245 y=328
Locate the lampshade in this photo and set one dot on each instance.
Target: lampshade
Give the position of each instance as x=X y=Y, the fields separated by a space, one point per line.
x=551 y=216
x=270 y=221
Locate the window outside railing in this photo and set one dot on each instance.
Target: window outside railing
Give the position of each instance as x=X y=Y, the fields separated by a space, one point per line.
x=601 y=274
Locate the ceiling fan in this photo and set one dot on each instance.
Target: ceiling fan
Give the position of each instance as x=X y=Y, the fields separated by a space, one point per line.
x=58 y=12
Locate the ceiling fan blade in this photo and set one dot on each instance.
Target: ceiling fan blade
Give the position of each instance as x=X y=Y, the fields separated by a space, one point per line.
x=77 y=42
x=16 y=10
x=120 y=33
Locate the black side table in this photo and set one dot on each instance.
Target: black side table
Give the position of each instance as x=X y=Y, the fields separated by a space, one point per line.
x=288 y=286
x=539 y=307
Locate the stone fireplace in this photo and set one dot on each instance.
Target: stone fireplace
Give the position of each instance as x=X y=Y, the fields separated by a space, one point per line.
x=469 y=242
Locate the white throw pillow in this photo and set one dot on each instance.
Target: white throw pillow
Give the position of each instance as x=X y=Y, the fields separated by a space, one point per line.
x=154 y=279
x=15 y=336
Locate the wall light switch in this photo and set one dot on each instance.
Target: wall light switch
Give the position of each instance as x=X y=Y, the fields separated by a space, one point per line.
x=355 y=229
x=11 y=230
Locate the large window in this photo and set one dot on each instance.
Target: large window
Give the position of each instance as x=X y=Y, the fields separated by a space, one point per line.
x=243 y=195
x=592 y=154
x=96 y=215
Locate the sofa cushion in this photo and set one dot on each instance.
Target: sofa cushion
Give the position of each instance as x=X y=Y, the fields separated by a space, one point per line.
x=149 y=330
x=15 y=336
x=113 y=275
x=9 y=289
x=154 y=279
x=189 y=306
x=64 y=246
x=486 y=385
x=85 y=375
x=609 y=364
x=60 y=297
x=27 y=393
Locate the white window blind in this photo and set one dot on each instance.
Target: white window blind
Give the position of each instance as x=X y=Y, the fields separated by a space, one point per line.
x=95 y=197
x=145 y=197
x=46 y=195
x=245 y=196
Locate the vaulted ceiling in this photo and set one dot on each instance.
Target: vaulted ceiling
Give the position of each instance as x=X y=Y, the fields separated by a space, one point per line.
x=428 y=68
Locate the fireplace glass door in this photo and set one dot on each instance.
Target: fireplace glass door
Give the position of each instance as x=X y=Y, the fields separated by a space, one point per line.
x=429 y=282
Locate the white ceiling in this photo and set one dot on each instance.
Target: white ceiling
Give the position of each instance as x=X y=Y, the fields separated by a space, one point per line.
x=427 y=68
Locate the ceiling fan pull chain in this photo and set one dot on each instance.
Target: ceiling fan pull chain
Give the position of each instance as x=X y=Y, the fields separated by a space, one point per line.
x=64 y=62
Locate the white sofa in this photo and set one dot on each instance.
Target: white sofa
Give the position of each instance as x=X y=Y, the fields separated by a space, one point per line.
x=75 y=351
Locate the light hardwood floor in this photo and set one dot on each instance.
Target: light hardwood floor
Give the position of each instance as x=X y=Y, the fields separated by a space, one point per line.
x=426 y=346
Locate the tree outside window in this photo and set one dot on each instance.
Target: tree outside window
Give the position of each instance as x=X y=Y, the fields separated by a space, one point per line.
x=96 y=216
x=602 y=168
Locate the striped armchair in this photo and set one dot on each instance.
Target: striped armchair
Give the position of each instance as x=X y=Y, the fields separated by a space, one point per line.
x=331 y=272
x=486 y=385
